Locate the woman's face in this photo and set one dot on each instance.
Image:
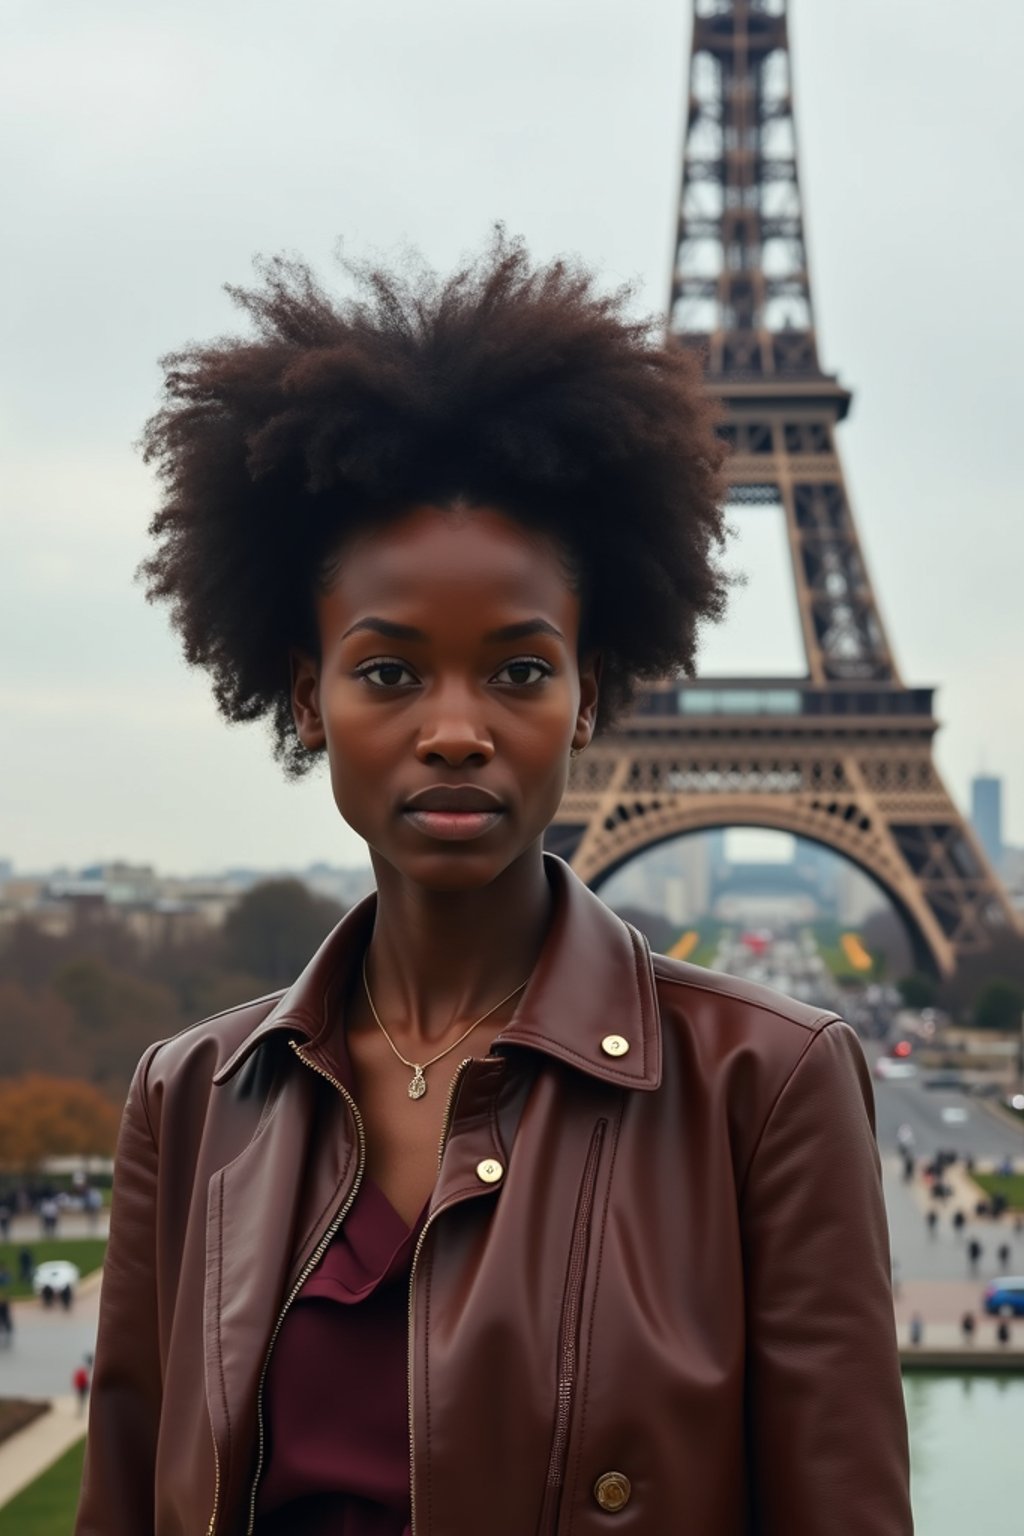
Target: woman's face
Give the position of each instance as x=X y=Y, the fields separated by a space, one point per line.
x=448 y=692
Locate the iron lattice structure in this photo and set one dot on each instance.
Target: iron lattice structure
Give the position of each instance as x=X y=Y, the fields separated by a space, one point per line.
x=842 y=756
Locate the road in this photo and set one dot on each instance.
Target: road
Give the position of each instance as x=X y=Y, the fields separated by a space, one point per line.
x=47 y=1346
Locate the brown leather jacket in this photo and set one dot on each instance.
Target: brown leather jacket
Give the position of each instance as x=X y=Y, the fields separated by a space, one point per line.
x=653 y=1292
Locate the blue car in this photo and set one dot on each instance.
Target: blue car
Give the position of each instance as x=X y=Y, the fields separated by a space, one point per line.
x=1005 y=1296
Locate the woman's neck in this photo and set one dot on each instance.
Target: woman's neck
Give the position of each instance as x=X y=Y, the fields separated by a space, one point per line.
x=441 y=958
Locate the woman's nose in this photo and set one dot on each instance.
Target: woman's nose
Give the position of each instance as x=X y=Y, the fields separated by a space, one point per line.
x=455 y=734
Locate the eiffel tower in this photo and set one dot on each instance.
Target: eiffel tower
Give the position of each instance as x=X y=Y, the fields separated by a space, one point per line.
x=843 y=755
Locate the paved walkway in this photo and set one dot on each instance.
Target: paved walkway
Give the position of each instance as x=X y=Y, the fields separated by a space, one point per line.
x=24 y=1456
x=933 y=1273
x=27 y=1228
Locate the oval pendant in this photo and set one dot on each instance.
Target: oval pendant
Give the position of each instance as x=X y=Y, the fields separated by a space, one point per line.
x=418 y=1086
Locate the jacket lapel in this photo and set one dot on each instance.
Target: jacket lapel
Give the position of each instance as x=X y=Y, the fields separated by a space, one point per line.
x=594 y=978
x=265 y=1213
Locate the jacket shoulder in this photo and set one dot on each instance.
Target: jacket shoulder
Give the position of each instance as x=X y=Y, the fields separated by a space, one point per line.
x=724 y=1021
x=682 y=986
x=206 y=1045
x=743 y=1044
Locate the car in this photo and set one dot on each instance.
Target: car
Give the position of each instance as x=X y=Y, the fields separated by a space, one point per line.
x=56 y=1278
x=954 y=1114
x=889 y=1068
x=1004 y=1297
x=945 y=1080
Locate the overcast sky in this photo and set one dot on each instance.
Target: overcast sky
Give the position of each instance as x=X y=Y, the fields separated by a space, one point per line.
x=150 y=150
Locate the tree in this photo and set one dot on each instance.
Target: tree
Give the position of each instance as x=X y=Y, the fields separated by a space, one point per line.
x=1000 y=1005
x=275 y=928
x=44 y=1117
x=1004 y=959
x=117 y=1016
x=885 y=937
x=918 y=990
x=37 y=1033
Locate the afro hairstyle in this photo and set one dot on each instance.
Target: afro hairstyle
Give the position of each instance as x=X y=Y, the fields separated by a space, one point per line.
x=511 y=384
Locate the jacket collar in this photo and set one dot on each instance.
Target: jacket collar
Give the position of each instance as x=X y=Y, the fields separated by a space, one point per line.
x=593 y=979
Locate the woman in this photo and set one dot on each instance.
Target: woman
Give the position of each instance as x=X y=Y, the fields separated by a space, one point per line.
x=492 y=1222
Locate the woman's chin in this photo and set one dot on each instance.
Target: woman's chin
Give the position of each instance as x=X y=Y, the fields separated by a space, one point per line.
x=449 y=868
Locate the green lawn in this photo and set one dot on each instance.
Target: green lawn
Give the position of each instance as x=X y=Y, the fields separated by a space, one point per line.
x=1012 y=1186
x=86 y=1252
x=47 y=1506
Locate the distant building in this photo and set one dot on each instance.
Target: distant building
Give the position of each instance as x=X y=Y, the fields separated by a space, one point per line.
x=157 y=909
x=987 y=815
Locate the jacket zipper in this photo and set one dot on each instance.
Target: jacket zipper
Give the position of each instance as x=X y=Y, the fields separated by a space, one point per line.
x=216 y=1476
x=307 y=1270
x=445 y=1126
x=569 y=1332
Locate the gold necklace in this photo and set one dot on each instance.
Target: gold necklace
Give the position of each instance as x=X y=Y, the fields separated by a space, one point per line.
x=418 y=1085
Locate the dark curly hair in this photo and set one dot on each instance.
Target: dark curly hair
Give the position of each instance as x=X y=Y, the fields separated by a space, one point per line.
x=506 y=383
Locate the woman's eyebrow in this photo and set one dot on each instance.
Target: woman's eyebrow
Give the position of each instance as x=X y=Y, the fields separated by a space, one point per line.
x=386 y=627
x=523 y=628
x=394 y=631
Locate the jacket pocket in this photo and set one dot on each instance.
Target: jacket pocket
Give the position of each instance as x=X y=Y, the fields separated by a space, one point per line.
x=569 y=1334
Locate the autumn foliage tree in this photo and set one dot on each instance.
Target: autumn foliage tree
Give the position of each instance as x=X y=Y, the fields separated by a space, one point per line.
x=44 y=1117
x=276 y=928
x=88 y=1002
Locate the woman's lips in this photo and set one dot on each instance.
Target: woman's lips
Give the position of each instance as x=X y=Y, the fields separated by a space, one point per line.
x=453 y=826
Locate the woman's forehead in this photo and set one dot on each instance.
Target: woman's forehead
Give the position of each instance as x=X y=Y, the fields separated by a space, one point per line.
x=439 y=554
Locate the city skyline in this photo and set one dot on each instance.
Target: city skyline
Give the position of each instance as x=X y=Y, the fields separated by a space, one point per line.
x=109 y=746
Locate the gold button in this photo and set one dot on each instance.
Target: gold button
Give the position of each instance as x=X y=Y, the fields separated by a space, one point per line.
x=614 y=1045
x=489 y=1171
x=612 y=1491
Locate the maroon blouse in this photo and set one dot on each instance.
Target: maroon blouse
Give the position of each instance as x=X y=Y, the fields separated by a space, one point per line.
x=335 y=1402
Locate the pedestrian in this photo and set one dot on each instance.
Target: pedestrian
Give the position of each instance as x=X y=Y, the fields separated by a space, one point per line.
x=959 y=1222
x=967 y=1326
x=80 y=1383
x=932 y=1221
x=974 y=1252
x=48 y=1214
x=1003 y=1330
x=1004 y=1253
x=5 y=1221
x=93 y=1206
x=6 y=1320
x=916 y=1329
x=433 y=534
x=26 y=1264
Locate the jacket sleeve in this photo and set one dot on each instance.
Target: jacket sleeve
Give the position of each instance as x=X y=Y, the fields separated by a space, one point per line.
x=124 y=1411
x=826 y=1424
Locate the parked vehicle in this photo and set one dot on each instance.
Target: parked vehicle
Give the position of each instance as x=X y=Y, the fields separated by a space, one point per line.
x=891 y=1068
x=1005 y=1296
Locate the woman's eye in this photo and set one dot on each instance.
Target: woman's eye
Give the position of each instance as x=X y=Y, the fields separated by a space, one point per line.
x=386 y=674
x=524 y=673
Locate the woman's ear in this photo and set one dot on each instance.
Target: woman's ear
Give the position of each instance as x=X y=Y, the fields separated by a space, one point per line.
x=590 y=689
x=309 y=727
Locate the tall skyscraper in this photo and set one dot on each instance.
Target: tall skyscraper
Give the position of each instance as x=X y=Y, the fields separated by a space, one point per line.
x=987 y=814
